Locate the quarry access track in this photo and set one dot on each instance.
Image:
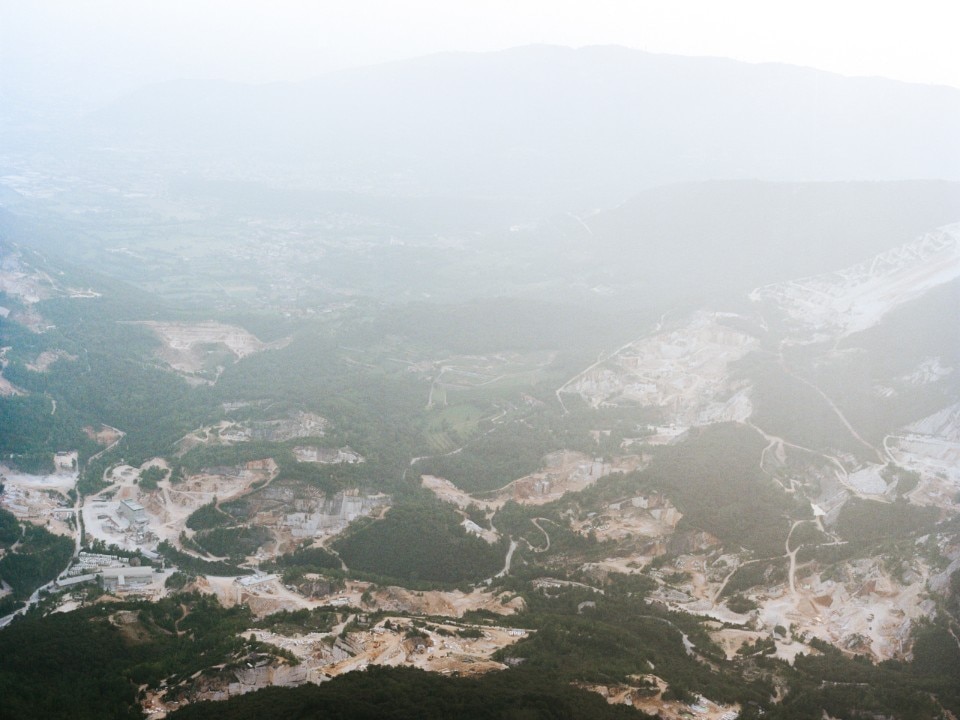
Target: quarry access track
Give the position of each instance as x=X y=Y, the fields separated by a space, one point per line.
x=792 y=554
x=506 y=562
x=545 y=534
x=833 y=406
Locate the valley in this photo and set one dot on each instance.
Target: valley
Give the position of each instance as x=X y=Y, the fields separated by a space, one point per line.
x=317 y=399
x=684 y=376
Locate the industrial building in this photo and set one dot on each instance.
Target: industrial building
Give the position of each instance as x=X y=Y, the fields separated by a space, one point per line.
x=132 y=511
x=122 y=577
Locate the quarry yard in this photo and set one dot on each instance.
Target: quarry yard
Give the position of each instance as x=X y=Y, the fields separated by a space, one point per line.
x=931 y=447
x=648 y=698
x=561 y=472
x=868 y=612
x=682 y=371
x=859 y=605
x=41 y=499
x=29 y=285
x=391 y=641
x=652 y=517
x=167 y=508
x=855 y=298
x=296 y=425
x=435 y=652
x=200 y=350
x=266 y=594
x=864 y=610
x=349 y=371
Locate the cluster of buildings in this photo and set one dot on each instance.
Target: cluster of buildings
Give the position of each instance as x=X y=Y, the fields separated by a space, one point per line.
x=116 y=573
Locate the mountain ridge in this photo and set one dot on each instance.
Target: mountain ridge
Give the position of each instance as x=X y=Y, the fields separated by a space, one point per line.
x=588 y=125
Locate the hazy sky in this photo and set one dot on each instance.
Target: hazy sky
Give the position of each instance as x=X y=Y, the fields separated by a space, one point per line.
x=97 y=47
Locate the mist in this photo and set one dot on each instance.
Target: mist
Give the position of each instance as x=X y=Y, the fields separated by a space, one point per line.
x=479 y=360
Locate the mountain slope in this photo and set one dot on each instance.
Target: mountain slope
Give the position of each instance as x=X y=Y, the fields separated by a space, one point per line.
x=548 y=122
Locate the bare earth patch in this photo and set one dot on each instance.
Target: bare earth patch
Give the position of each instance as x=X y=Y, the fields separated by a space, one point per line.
x=196 y=350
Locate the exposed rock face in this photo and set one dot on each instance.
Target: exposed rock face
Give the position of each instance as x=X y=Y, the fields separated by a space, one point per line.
x=683 y=371
x=229 y=683
x=846 y=301
x=250 y=679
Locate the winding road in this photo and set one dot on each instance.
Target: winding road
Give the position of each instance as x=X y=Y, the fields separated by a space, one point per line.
x=545 y=534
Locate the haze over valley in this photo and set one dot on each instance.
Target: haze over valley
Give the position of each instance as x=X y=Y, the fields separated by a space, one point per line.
x=540 y=382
